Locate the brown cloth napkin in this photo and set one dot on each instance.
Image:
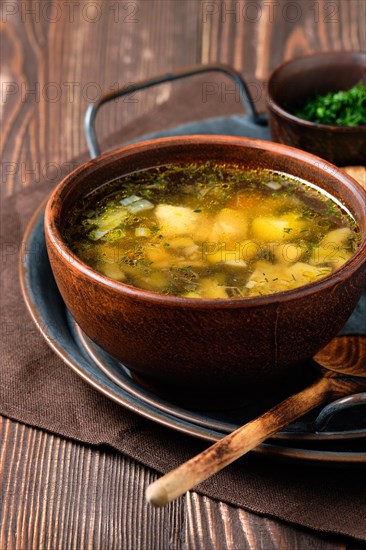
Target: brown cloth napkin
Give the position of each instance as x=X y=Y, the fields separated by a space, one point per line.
x=37 y=388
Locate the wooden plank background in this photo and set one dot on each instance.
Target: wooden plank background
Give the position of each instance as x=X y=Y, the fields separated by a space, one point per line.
x=58 y=494
x=56 y=60
x=55 y=57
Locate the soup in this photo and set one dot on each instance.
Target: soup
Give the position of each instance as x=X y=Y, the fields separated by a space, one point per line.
x=211 y=231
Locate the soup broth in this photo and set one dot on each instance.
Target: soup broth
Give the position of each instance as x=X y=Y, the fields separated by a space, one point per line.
x=211 y=231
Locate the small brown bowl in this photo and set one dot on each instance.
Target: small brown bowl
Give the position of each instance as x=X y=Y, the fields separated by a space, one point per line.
x=230 y=344
x=300 y=79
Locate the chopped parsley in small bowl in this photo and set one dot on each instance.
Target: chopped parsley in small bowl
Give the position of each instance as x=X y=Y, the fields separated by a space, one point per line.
x=318 y=103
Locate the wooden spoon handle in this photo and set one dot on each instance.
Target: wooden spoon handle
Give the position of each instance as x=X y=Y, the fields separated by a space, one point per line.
x=236 y=444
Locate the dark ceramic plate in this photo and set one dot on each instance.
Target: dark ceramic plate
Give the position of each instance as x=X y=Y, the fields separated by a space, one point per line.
x=342 y=442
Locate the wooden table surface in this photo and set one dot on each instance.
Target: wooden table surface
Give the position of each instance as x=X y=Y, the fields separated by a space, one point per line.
x=55 y=57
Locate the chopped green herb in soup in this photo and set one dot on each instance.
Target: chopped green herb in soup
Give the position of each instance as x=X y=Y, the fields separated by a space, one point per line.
x=211 y=231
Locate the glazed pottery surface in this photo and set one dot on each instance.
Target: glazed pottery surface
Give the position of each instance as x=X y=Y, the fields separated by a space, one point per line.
x=243 y=344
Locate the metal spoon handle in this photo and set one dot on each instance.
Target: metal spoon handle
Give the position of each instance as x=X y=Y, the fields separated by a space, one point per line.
x=236 y=444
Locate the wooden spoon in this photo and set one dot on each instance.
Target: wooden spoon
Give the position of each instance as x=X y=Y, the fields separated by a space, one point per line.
x=342 y=359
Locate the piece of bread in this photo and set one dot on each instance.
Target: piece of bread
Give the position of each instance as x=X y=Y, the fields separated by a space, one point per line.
x=358 y=173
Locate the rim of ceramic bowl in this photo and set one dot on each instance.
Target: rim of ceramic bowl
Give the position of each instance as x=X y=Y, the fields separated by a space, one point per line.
x=274 y=105
x=344 y=272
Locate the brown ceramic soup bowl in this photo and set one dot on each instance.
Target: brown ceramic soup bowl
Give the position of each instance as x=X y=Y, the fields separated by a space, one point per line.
x=294 y=82
x=232 y=344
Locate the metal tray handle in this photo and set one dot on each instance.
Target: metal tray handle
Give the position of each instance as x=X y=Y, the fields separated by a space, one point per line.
x=326 y=415
x=93 y=108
